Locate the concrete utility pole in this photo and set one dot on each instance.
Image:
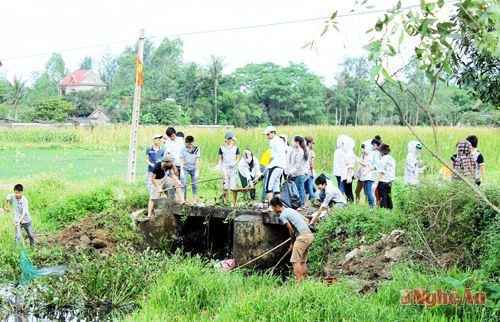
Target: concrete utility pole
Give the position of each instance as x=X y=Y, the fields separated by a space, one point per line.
x=132 y=152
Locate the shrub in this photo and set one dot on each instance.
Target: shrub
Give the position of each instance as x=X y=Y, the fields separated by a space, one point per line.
x=342 y=230
x=452 y=219
x=79 y=205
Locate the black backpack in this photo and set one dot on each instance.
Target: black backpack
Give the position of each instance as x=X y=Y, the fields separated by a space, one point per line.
x=289 y=195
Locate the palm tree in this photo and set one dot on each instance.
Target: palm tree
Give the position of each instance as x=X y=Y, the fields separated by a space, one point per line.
x=215 y=67
x=18 y=92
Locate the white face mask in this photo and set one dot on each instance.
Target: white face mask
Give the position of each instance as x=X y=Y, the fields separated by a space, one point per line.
x=248 y=158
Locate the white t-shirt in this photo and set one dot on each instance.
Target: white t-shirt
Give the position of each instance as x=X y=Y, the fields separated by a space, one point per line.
x=339 y=165
x=349 y=162
x=20 y=207
x=332 y=193
x=244 y=168
x=173 y=148
x=388 y=167
x=278 y=153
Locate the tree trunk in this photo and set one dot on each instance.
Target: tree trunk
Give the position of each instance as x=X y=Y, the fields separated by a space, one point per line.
x=216 y=84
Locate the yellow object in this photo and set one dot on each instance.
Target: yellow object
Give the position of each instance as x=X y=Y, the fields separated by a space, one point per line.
x=266 y=158
x=445 y=173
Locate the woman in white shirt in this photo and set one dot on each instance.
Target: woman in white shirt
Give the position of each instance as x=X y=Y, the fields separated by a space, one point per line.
x=248 y=170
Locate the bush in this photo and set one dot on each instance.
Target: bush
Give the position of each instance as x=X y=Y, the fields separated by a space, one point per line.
x=342 y=230
x=79 y=205
x=452 y=219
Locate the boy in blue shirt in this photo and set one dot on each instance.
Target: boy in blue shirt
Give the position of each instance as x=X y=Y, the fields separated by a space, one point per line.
x=22 y=217
x=154 y=154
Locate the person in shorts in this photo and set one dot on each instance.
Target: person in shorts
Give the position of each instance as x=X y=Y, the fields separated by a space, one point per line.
x=163 y=178
x=300 y=235
x=229 y=155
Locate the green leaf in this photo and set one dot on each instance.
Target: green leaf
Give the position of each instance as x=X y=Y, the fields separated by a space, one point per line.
x=334 y=15
x=374 y=71
x=325 y=29
x=387 y=76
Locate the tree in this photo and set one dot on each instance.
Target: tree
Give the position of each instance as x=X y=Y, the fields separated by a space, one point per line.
x=18 y=93
x=436 y=52
x=86 y=101
x=107 y=68
x=215 y=67
x=53 y=109
x=86 y=63
x=55 y=68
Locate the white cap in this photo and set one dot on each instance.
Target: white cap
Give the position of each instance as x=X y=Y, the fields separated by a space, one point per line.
x=269 y=129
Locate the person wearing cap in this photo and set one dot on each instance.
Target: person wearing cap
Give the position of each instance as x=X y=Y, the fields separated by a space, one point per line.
x=154 y=154
x=412 y=164
x=229 y=155
x=277 y=163
x=163 y=178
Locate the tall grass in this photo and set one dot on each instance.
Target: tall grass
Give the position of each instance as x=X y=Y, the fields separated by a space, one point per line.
x=190 y=290
x=116 y=138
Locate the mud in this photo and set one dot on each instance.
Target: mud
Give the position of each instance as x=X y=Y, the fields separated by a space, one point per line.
x=370 y=264
x=85 y=235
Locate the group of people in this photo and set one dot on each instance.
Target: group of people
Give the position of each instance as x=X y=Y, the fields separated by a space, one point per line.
x=373 y=171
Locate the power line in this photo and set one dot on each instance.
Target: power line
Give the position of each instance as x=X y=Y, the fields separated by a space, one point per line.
x=209 y=31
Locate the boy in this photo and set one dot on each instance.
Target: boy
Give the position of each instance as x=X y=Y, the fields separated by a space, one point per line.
x=329 y=195
x=229 y=155
x=277 y=162
x=386 y=174
x=190 y=164
x=154 y=154
x=478 y=157
x=300 y=235
x=161 y=182
x=21 y=213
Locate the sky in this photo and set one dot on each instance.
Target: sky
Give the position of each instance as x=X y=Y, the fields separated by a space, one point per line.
x=30 y=30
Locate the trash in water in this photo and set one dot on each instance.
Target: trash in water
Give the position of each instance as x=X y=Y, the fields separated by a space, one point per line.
x=329 y=280
x=225 y=264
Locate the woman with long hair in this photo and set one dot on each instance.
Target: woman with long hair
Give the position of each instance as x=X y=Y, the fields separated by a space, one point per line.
x=297 y=166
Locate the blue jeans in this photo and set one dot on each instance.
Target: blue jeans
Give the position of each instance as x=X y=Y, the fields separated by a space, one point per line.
x=194 y=181
x=368 y=188
x=29 y=230
x=340 y=184
x=309 y=186
x=264 y=180
x=299 y=182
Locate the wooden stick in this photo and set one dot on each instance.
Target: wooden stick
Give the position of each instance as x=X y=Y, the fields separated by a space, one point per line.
x=256 y=258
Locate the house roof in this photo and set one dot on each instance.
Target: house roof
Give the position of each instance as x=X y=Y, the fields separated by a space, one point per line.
x=82 y=77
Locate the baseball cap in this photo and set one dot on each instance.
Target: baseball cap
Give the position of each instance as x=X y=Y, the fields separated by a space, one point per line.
x=229 y=135
x=269 y=129
x=167 y=159
x=158 y=136
x=418 y=145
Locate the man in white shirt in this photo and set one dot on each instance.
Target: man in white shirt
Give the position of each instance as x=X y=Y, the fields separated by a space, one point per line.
x=277 y=164
x=173 y=148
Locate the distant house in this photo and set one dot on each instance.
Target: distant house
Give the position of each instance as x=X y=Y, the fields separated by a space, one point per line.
x=80 y=80
x=97 y=117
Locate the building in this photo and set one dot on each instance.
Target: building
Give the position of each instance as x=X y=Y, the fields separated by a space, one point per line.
x=80 y=80
x=97 y=117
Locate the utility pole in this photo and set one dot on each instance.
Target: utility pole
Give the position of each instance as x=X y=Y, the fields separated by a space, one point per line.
x=132 y=152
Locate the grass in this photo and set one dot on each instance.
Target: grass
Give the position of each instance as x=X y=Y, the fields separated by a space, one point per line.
x=82 y=154
x=64 y=169
x=191 y=290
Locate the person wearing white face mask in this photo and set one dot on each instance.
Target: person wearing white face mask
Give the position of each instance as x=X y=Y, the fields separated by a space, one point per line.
x=412 y=169
x=348 y=167
x=248 y=170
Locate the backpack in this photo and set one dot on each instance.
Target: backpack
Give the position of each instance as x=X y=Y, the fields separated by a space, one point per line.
x=289 y=195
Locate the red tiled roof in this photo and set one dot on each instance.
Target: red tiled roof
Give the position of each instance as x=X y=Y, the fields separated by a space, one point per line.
x=74 y=79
